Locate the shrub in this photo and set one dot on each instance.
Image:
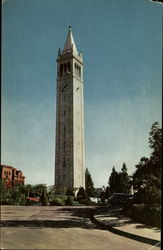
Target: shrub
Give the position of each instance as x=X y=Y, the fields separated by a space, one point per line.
x=69 y=201
x=85 y=202
x=57 y=201
x=70 y=192
x=82 y=194
x=76 y=203
x=149 y=215
x=82 y=197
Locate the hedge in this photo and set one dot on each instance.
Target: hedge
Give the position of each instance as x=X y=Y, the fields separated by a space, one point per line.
x=144 y=213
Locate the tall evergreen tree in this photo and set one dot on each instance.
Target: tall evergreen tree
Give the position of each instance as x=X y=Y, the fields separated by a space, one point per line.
x=119 y=182
x=113 y=181
x=89 y=185
x=155 y=143
x=124 y=180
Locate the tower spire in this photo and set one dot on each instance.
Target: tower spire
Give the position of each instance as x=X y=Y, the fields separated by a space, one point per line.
x=70 y=44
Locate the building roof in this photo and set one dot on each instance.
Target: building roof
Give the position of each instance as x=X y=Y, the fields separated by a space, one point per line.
x=70 y=44
x=6 y=166
x=15 y=169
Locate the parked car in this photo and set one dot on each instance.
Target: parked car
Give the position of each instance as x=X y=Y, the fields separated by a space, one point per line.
x=119 y=198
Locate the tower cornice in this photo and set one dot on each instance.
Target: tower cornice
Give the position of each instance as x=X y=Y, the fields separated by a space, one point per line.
x=62 y=58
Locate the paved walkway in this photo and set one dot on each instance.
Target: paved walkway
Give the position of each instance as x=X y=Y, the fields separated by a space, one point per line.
x=58 y=228
x=116 y=220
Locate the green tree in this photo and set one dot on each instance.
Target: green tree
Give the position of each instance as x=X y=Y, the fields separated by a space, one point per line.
x=147 y=177
x=107 y=193
x=83 y=197
x=69 y=191
x=5 y=194
x=69 y=201
x=39 y=189
x=155 y=143
x=12 y=195
x=114 y=181
x=119 y=182
x=29 y=190
x=44 y=198
x=89 y=185
x=124 y=180
x=146 y=206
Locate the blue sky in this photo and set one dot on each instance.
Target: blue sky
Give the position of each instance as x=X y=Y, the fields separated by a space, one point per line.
x=121 y=45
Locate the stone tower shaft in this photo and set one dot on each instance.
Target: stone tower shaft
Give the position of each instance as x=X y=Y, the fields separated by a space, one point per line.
x=69 y=155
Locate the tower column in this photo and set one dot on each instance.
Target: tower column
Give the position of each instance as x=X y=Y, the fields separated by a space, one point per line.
x=69 y=152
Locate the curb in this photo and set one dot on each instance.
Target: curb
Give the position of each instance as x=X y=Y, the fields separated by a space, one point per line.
x=123 y=233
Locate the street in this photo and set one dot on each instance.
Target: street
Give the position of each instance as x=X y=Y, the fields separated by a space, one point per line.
x=49 y=227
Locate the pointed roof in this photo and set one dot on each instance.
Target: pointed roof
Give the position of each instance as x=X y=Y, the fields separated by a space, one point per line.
x=70 y=44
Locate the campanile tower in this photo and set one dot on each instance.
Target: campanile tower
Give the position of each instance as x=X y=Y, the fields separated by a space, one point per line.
x=69 y=148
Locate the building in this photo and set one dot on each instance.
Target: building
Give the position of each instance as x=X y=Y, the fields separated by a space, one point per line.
x=11 y=175
x=69 y=155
